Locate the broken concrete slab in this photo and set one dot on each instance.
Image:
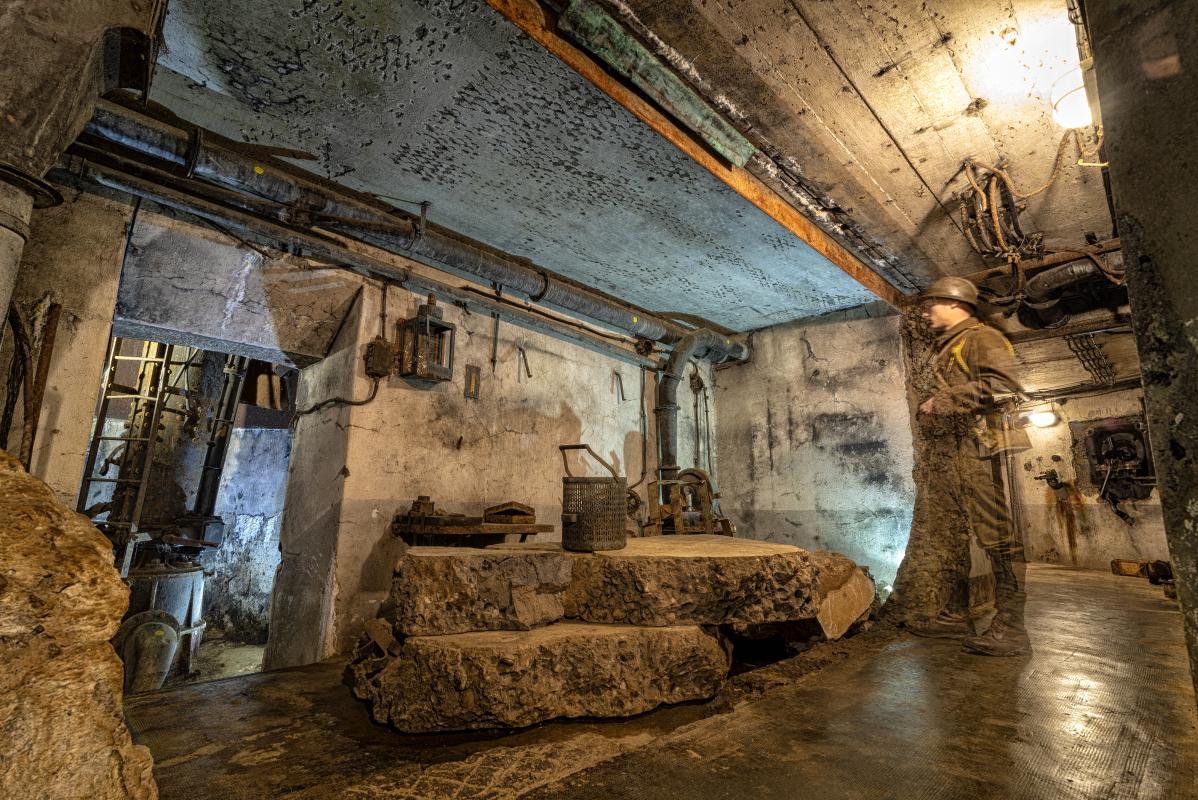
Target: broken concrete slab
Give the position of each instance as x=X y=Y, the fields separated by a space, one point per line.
x=506 y=679
x=706 y=580
x=847 y=594
x=61 y=601
x=444 y=590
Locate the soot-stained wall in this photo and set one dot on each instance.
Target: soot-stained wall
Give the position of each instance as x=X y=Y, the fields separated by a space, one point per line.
x=1080 y=529
x=815 y=439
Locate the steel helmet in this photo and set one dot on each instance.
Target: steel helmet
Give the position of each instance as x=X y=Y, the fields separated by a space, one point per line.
x=959 y=289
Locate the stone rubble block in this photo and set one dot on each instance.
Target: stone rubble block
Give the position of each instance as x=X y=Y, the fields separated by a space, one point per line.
x=847 y=594
x=508 y=679
x=711 y=580
x=446 y=590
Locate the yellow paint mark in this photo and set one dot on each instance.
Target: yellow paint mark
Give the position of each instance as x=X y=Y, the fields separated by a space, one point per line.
x=634 y=319
x=259 y=170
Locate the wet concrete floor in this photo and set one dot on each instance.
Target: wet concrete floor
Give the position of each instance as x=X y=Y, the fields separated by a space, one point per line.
x=1102 y=708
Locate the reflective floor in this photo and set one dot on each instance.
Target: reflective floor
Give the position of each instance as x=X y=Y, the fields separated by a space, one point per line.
x=1102 y=708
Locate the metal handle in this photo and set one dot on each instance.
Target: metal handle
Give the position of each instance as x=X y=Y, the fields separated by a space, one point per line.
x=594 y=455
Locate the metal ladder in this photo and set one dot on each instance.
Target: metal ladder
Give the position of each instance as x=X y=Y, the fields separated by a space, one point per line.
x=136 y=449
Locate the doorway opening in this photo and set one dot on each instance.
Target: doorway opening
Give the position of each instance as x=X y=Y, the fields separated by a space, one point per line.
x=185 y=474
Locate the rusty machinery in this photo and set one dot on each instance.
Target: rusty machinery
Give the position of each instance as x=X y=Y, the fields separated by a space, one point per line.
x=689 y=506
x=157 y=555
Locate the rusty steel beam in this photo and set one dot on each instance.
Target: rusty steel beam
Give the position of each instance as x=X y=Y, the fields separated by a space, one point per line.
x=529 y=16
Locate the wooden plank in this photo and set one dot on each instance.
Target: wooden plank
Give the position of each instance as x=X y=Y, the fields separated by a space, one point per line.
x=530 y=18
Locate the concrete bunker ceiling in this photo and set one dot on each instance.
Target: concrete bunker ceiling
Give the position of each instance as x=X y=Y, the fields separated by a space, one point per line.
x=877 y=106
x=446 y=102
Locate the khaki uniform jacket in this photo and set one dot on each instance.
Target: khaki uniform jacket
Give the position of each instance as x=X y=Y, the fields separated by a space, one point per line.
x=975 y=373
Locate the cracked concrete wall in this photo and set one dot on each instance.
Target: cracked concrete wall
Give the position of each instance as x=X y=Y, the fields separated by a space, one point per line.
x=74 y=254
x=815 y=438
x=190 y=284
x=1081 y=530
x=353 y=468
x=240 y=573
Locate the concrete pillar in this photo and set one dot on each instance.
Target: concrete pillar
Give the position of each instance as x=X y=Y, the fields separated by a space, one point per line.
x=16 y=207
x=1146 y=61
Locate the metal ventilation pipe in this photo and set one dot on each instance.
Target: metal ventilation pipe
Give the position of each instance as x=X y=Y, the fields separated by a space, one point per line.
x=306 y=200
x=1042 y=293
x=666 y=408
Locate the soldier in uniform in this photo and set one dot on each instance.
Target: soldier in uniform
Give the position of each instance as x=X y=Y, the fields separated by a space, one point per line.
x=975 y=379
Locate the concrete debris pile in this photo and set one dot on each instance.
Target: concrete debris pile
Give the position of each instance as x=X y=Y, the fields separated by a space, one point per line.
x=61 y=601
x=516 y=634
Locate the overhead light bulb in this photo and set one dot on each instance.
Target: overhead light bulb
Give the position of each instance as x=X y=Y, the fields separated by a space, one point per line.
x=1070 y=106
x=1043 y=419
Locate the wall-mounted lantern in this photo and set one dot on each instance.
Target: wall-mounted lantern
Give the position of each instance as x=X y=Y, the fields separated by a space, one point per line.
x=426 y=344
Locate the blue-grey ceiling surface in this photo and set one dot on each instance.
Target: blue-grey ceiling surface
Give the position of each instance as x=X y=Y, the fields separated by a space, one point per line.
x=445 y=101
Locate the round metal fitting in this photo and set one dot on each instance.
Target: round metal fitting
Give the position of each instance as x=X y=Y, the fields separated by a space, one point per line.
x=44 y=195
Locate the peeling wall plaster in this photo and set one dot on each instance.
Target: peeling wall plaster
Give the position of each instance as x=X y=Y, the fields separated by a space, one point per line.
x=241 y=572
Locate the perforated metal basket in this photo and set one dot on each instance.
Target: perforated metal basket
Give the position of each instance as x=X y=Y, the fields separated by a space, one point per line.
x=593 y=509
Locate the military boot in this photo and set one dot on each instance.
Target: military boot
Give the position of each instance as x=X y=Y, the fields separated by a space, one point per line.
x=1006 y=636
x=945 y=625
x=1000 y=639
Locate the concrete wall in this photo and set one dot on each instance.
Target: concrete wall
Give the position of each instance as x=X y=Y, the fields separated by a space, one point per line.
x=815 y=439
x=1098 y=535
x=241 y=572
x=187 y=283
x=74 y=255
x=352 y=469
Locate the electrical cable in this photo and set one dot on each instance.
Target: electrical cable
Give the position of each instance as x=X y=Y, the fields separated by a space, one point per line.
x=644 y=435
x=707 y=433
x=338 y=401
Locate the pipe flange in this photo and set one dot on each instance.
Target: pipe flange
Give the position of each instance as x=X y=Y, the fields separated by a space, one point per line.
x=536 y=298
x=44 y=195
x=14 y=224
x=195 y=144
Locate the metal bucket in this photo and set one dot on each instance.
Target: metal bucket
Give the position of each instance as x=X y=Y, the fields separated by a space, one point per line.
x=593 y=509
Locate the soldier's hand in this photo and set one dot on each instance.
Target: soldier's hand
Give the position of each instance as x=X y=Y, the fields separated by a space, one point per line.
x=928 y=406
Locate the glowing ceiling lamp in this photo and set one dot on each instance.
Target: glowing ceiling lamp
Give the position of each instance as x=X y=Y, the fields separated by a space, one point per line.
x=1044 y=418
x=1070 y=106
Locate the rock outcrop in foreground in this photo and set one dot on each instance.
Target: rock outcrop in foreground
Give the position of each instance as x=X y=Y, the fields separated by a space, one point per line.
x=504 y=679
x=61 y=601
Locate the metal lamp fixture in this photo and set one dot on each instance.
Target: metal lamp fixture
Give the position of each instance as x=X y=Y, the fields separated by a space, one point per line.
x=1070 y=105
